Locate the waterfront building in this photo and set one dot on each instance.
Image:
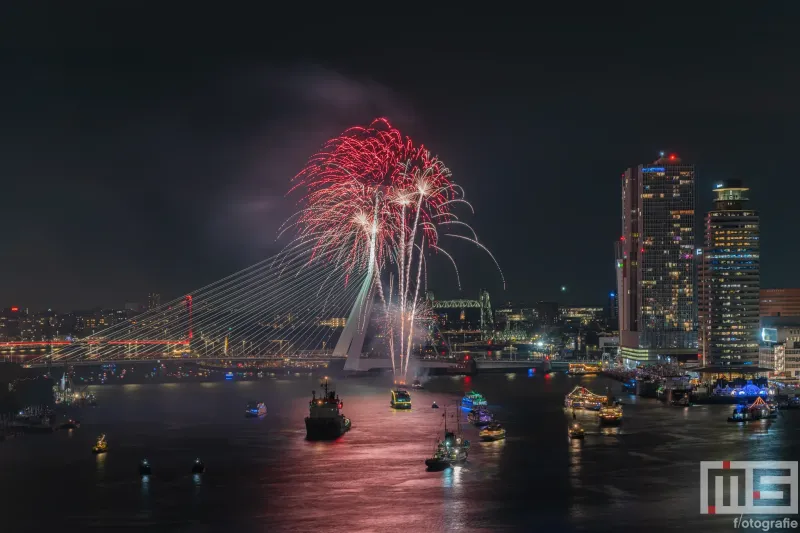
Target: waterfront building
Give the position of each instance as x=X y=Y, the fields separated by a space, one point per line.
x=655 y=263
x=729 y=283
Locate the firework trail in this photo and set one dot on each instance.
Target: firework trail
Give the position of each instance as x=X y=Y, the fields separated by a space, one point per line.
x=374 y=202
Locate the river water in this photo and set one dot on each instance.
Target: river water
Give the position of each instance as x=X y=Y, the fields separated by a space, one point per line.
x=262 y=475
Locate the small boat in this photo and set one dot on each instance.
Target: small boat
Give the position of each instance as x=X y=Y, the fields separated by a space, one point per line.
x=101 y=446
x=773 y=409
x=434 y=406
x=416 y=384
x=255 y=409
x=440 y=459
x=198 y=467
x=451 y=450
x=610 y=415
x=493 y=431
x=683 y=401
x=480 y=416
x=401 y=399
x=473 y=399
x=70 y=424
x=144 y=468
x=576 y=431
x=758 y=410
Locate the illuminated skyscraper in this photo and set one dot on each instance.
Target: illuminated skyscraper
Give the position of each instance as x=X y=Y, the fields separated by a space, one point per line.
x=655 y=263
x=730 y=281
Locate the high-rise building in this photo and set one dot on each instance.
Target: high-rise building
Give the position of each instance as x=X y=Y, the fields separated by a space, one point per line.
x=153 y=300
x=730 y=282
x=655 y=263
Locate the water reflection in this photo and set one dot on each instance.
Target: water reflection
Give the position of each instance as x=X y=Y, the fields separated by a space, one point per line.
x=610 y=430
x=100 y=462
x=611 y=478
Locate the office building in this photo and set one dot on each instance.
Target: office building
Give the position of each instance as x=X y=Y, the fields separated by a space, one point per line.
x=655 y=263
x=153 y=300
x=729 y=280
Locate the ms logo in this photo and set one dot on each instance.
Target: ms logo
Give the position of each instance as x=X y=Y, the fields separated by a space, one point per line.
x=748 y=487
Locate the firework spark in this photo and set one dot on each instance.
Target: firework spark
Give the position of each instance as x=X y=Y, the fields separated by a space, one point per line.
x=375 y=202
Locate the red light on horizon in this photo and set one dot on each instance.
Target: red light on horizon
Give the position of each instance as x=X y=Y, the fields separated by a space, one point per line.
x=672 y=157
x=14 y=309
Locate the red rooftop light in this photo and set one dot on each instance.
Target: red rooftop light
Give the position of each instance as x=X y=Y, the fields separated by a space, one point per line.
x=672 y=157
x=15 y=309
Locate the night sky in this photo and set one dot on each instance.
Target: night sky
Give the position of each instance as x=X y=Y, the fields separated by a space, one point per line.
x=151 y=150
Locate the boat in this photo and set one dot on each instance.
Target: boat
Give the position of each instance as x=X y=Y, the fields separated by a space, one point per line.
x=144 y=468
x=773 y=409
x=576 y=431
x=255 y=409
x=480 y=416
x=758 y=410
x=70 y=424
x=583 y=398
x=610 y=415
x=683 y=401
x=451 y=450
x=473 y=399
x=198 y=467
x=493 y=431
x=401 y=399
x=101 y=446
x=325 y=420
x=416 y=384
x=434 y=406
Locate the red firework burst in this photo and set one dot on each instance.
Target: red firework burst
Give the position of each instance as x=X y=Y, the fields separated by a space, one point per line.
x=372 y=180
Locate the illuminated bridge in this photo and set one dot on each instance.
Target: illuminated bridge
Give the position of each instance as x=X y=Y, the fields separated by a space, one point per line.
x=283 y=308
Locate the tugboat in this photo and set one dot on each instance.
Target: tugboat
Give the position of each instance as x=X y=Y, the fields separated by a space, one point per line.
x=473 y=399
x=255 y=409
x=198 y=467
x=452 y=450
x=416 y=384
x=493 y=431
x=401 y=399
x=576 y=431
x=144 y=468
x=324 y=420
x=480 y=416
x=101 y=446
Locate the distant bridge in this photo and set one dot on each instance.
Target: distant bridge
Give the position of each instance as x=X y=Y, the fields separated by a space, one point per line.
x=483 y=303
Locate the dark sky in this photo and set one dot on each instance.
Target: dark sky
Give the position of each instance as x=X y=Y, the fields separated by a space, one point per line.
x=151 y=150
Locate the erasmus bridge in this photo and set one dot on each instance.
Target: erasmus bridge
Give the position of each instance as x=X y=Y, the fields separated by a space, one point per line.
x=375 y=209
x=278 y=309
